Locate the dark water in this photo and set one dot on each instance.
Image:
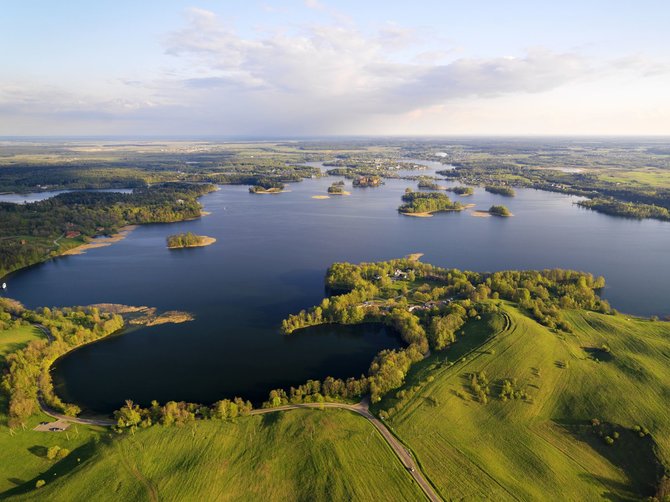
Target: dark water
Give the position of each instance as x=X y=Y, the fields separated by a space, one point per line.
x=269 y=260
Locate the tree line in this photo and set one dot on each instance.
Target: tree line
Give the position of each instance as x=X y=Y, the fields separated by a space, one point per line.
x=184 y=240
x=427 y=202
x=447 y=299
x=26 y=375
x=31 y=233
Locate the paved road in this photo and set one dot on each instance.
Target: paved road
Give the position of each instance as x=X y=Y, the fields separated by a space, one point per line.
x=361 y=408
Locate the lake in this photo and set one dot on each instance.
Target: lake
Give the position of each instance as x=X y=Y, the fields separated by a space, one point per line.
x=271 y=254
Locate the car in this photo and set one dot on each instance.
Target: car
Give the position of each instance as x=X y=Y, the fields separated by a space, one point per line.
x=55 y=429
x=44 y=423
x=410 y=469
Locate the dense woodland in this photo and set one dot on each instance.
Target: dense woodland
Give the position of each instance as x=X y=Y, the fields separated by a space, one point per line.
x=428 y=202
x=500 y=211
x=185 y=240
x=500 y=190
x=26 y=375
x=31 y=233
x=460 y=190
x=427 y=306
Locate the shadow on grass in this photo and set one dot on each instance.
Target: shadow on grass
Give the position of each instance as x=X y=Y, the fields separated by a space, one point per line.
x=634 y=455
x=76 y=458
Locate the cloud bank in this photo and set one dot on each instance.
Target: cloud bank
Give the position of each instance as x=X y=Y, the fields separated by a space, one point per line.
x=330 y=78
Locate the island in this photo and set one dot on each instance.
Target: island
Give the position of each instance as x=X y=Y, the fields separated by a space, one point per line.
x=367 y=181
x=337 y=188
x=461 y=190
x=267 y=186
x=430 y=185
x=424 y=204
x=500 y=190
x=188 y=240
x=499 y=211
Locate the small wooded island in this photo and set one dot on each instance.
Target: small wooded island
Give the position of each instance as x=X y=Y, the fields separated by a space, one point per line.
x=500 y=190
x=337 y=188
x=425 y=203
x=499 y=211
x=188 y=240
x=267 y=186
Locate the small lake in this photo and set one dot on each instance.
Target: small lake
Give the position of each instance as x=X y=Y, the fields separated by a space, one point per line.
x=27 y=198
x=270 y=258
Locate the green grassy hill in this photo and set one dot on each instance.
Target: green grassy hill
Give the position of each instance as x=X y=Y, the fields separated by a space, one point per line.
x=294 y=455
x=544 y=447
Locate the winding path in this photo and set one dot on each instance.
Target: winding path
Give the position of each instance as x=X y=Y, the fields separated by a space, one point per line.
x=361 y=408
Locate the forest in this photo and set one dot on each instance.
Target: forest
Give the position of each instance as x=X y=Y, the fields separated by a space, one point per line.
x=31 y=233
x=428 y=306
x=423 y=202
x=27 y=378
x=500 y=211
x=500 y=190
x=184 y=240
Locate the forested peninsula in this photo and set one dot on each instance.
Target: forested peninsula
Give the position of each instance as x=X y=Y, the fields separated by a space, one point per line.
x=32 y=233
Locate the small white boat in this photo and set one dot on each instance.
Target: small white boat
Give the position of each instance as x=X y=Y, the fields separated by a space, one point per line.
x=4 y=285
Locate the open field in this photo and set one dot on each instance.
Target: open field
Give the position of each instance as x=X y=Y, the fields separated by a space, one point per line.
x=294 y=455
x=543 y=447
x=17 y=338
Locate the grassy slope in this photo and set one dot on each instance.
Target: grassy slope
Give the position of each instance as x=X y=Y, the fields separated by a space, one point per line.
x=517 y=450
x=22 y=453
x=295 y=455
x=16 y=338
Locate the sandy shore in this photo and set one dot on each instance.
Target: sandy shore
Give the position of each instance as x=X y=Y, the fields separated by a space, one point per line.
x=320 y=197
x=419 y=215
x=206 y=241
x=101 y=242
x=414 y=256
x=481 y=214
x=486 y=214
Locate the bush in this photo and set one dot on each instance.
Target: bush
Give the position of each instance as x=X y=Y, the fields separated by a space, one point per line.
x=40 y=483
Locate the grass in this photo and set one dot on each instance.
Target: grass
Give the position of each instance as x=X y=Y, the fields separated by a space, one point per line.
x=294 y=455
x=543 y=448
x=17 y=338
x=23 y=451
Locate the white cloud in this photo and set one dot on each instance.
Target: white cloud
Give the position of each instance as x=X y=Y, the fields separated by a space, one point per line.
x=317 y=79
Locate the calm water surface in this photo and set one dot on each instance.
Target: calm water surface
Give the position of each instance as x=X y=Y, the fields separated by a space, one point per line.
x=271 y=254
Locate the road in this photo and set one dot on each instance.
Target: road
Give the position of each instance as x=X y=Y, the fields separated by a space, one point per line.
x=361 y=408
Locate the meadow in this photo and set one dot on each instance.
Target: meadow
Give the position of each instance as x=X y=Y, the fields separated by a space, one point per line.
x=293 y=455
x=541 y=443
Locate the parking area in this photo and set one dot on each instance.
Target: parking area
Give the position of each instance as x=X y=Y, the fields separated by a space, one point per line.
x=55 y=426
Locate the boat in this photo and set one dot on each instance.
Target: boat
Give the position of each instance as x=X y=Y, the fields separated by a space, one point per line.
x=4 y=285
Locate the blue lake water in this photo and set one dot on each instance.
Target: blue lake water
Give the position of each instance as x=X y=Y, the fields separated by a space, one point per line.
x=271 y=254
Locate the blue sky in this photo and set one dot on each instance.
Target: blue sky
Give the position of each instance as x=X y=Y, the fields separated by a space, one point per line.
x=312 y=67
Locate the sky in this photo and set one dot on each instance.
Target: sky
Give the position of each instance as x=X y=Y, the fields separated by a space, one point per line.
x=294 y=68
